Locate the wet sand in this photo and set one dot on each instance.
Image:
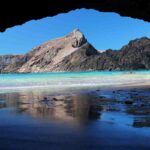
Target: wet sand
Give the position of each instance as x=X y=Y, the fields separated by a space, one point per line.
x=101 y=118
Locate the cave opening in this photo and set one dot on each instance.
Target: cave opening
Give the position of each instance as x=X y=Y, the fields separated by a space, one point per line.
x=109 y=34
x=73 y=76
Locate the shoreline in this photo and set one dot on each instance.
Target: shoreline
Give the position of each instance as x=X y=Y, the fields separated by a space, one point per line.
x=76 y=81
x=76 y=89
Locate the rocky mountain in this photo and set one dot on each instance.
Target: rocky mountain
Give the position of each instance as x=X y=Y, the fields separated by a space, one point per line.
x=135 y=55
x=6 y=60
x=74 y=53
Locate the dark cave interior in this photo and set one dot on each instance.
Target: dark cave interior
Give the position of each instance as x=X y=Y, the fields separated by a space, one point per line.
x=20 y=12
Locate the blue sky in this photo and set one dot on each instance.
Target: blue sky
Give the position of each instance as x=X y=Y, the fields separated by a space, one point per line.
x=103 y=30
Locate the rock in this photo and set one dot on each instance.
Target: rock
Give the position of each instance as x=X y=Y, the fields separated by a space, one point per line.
x=58 y=99
x=128 y=102
x=45 y=100
x=6 y=60
x=55 y=99
x=98 y=90
x=78 y=38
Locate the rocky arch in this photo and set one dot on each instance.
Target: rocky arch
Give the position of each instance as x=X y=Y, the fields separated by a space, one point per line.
x=18 y=12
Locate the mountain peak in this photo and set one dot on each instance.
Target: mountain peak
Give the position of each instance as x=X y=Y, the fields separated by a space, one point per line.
x=76 y=30
x=78 y=38
x=139 y=42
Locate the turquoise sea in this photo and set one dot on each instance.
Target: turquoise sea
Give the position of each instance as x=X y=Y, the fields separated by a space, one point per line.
x=72 y=79
x=59 y=80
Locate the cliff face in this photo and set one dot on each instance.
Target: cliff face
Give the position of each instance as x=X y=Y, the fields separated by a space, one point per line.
x=135 y=55
x=6 y=60
x=74 y=53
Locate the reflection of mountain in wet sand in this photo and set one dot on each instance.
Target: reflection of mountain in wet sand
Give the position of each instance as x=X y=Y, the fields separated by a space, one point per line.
x=80 y=108
x=77 y=108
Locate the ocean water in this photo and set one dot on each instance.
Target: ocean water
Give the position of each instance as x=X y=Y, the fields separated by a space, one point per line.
x=72 y=79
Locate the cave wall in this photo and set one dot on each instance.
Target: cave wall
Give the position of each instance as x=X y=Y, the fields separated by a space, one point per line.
x=16 y=12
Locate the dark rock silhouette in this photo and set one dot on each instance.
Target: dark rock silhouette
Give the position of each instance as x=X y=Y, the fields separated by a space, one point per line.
x=19 y=14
